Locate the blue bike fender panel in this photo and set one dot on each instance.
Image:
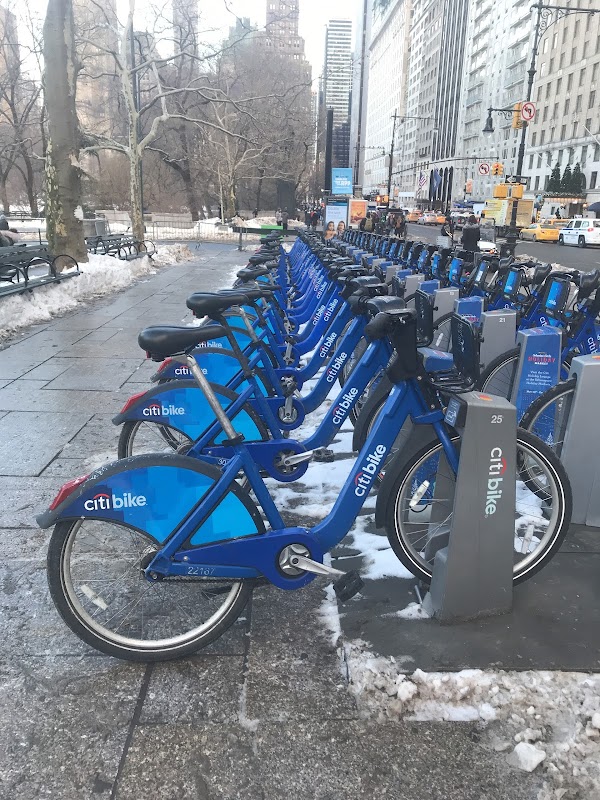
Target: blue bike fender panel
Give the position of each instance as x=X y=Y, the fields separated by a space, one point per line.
x=183 y=406
x=155 y=498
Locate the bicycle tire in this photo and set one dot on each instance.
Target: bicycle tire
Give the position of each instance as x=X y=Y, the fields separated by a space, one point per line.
x=78 y=612
x=491 y=379
x=561 y=395
x=442 y=327
x=523 y=570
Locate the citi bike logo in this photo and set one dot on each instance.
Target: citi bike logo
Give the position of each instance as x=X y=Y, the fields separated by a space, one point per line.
x=369 y=469
x=210 y=344
x=181 y=371
x=104 y=502
x=343 y=406
x=318 y=314
x=326 y=346
x=338 y=363
x=330 y=309
x=159 y=410
x=496 y=468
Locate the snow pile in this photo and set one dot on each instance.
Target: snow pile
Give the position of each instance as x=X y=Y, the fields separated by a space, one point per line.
x=102 y=275
x=547 y=718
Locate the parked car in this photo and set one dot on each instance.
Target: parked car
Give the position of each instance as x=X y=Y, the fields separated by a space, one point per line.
x=413 y=216
x=539 y=232
x=427 y=218
x=440 y=218
x=581 y=232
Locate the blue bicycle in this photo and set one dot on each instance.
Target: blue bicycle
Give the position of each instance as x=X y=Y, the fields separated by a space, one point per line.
x=154 y=557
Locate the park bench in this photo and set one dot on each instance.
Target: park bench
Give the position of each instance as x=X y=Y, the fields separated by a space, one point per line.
x=24 y=267
x=119 y=245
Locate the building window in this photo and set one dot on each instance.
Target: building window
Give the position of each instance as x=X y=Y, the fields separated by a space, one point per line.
x=537 y=183
x=578 y=103
x=574 y=134
x=543 y=70
x=592 y=100
x=558 y=85
x=576 y=31
x=561 y=61
x=563 y=133
x=539 y=94
x=551 y=70
x=594 y=72
x=559 y=157
x=548 y=86
x=573 y=55
x=533 y=138
x=549 y=159
x=539 y=163
x=564 y=36
x=588 y=125
x=569 y=82
x=593 y=179
x=545 y=114
x=597 y=152
x=581 y=77
x=542 y=137
x=567 y=106
x=571 y=156
x=583 y=156
x=531 y=161
x=584 y=51
x=555 y=40
x=555 y=112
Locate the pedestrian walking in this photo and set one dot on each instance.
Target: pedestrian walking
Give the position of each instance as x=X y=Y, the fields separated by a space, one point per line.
x=284 y=219
x=314 y=219
x=278 y=217
x=471 y=235
x=400 y=227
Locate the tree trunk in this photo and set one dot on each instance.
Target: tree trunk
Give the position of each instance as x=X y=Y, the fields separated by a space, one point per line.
x=4 y=197
x=137 y=218
x=259 y=190
x=63 y=176
x=30 y=183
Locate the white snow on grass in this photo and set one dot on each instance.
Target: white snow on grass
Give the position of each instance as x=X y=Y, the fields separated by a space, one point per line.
x=101 y=275
x=558 y=711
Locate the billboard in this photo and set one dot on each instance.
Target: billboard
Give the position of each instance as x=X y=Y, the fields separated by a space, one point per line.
x=341 y=181
x=358 y=211
x=336 y=215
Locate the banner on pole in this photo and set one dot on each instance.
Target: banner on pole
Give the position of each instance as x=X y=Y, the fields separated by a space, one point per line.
x=341 y=181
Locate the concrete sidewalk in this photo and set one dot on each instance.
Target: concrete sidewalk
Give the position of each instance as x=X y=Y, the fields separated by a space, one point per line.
x=263 y=713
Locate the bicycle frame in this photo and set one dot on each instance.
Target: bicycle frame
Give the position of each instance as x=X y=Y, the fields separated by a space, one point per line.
x=256 y=555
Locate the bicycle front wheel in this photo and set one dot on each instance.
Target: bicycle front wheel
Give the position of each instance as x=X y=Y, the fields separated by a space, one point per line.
x=420 y=507
x=97 y=584
x=499 y=376
x=547 y=417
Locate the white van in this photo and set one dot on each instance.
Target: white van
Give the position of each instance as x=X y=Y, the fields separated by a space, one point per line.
x=581 y=232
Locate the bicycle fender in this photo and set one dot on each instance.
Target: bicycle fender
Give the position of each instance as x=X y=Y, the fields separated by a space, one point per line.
x=154 y=493
x=218 y=364
x=183 y=406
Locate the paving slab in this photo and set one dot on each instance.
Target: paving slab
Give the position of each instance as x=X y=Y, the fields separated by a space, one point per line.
x=293 y=671
x=101 y=374
x=14 y=363
x=23 y=451
x=65 y=723
x=31 y=396
x=22 y=499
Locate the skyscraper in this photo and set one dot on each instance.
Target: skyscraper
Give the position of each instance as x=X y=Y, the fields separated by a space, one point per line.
x=338 y=83
x=282 y=28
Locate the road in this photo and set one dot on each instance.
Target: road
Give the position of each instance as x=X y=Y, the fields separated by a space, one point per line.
x=585 y=259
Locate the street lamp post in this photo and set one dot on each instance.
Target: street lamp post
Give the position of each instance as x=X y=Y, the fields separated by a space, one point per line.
x=546 y=15
x=391 y=157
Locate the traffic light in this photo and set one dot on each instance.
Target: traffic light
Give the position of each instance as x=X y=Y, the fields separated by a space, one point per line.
x=517 y=120
x=497 y=168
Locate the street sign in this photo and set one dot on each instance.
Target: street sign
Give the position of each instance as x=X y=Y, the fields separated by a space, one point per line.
x=528 y=111
x=484 y=169
x=516 y=179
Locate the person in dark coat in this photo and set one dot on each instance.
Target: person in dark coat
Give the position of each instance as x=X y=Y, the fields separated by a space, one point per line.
x=471 y=234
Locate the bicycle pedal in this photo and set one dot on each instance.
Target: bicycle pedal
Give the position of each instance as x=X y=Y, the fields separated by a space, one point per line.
x=323 y=455
x=347 y=586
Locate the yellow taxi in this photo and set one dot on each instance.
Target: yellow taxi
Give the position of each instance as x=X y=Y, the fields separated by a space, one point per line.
x=413 y=216
x=440 y=219
x=540 y=233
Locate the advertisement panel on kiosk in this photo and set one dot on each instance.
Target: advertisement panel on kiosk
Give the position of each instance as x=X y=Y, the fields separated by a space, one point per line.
x=341 y=180
x=336 y=218
x=357 y=211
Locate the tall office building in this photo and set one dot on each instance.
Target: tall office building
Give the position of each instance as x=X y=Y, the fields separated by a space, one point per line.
x=498 y=34
x=566 y=128
x=282 y=29
x=388 y=62
x=360 y=91
x=338 y=84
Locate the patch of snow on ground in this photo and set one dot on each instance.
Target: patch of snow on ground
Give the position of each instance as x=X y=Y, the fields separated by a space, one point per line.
x=101 y=275
x=559 y=711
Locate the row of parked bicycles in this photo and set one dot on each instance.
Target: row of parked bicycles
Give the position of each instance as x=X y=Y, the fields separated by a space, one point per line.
x=155 y=555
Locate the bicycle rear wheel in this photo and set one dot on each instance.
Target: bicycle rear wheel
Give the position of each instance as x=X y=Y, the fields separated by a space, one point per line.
x=96 y=582
x=499 y=376
x=415 y=512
